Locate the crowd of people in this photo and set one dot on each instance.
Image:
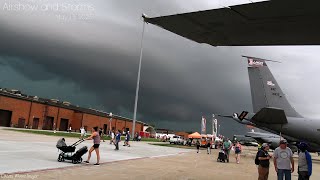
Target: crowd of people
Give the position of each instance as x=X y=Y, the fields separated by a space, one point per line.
x=282 y=158
x=283 y=161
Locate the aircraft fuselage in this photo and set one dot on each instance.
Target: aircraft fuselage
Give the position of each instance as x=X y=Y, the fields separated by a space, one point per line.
x=297 y=129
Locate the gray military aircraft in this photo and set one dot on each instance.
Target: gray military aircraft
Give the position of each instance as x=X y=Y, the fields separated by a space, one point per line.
x=272 y=111
x=272 y=139
x=285 y=22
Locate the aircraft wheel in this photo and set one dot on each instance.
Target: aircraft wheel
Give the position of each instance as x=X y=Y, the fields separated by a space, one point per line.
x=59 y=158
x=74 y=161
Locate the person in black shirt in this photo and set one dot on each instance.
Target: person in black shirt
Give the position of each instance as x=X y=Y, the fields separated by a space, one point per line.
x=264 y=163
x=208 y=143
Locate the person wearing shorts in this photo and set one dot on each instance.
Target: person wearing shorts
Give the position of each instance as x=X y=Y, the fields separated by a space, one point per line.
x=237 y=150
x=96 y=143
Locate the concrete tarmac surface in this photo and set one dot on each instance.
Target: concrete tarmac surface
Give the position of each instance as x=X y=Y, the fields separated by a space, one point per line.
x=21 y=152
x=141 y=161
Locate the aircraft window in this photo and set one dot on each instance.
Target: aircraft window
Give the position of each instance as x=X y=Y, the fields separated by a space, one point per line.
x=276 y=94
x=273 y=89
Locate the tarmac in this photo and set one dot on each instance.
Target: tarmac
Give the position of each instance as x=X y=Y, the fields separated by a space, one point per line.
x=25 y=152
x=29 y=156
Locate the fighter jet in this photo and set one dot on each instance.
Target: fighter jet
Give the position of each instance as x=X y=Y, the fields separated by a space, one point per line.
x=285 y=22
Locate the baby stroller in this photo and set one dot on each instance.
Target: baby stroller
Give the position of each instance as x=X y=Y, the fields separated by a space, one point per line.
x=222 y=157
x=68 y=151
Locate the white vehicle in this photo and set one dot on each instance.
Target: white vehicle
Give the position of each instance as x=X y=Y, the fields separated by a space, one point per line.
x=176 y=140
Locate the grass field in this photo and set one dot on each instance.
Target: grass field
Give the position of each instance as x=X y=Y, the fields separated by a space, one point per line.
x=66 y=134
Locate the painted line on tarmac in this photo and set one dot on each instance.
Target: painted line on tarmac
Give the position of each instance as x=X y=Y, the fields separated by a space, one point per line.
x=83 y=165
x=67 y=167
x=159 y=156
x=20 y=151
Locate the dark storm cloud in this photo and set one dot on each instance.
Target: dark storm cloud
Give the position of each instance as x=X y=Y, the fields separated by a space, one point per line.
x=181 y=80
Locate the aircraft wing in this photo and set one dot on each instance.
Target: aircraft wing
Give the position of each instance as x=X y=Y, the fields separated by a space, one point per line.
x=270 y=115
x=275 y=22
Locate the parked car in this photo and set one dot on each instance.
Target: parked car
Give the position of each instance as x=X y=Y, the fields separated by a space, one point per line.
x=176 y=140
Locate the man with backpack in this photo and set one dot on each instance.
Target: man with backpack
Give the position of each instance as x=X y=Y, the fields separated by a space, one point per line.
x=262 y=160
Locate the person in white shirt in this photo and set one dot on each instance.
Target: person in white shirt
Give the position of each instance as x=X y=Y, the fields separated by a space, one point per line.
x=112 y=138
x=283 y=161
x=83 y=132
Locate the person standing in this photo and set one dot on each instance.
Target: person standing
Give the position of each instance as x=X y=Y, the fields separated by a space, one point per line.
x=283 y=157
x=112 y=137
x=198 y=145
x=101 y=134
x=264 y=163
x=118 y=138
x=82 y=132
x=54 y=128
x=127 y=139
x=304 y=162
x=226 y=147
x=96 y=143
x=208 y=146
x=237 y=151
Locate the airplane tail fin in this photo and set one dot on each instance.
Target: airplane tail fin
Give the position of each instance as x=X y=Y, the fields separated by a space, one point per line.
x=265 y=90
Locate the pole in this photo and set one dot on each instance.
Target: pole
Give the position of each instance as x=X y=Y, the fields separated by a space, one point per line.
x=201 y=125
x=110 y=126
x=138 y=83
x=110 y=120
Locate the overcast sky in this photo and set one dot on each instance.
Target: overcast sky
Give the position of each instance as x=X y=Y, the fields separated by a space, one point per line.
x=87 y=52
